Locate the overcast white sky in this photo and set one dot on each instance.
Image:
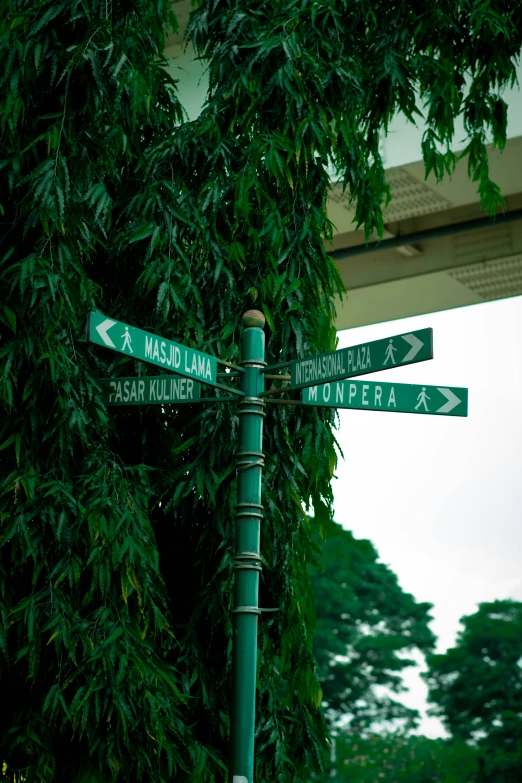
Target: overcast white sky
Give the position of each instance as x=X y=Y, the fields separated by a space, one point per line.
x=440 y=497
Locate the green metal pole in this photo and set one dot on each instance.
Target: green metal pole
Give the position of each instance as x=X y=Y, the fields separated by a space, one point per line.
x=247 y=562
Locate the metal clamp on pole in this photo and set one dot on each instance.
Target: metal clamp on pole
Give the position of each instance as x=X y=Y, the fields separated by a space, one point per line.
x=248 y=405
x=245 y=464
x=246 y=610
x=247 y=560
x=249 y=509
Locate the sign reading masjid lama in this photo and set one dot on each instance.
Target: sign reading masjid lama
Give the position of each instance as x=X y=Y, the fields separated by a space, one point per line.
x=362 y=359
x=153 y=349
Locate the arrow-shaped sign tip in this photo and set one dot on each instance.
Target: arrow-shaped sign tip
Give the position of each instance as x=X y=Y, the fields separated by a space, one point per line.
x=102 y=330
x=452 y=401
x=416 y=345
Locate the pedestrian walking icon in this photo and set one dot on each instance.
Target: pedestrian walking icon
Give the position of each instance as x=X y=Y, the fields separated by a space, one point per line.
x=390 y=350
x=422 y=400
x=127 y=340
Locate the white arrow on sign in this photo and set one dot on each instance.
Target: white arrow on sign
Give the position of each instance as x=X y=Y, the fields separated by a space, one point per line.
x=102 y=330
x=452 y=400
x=416 y=345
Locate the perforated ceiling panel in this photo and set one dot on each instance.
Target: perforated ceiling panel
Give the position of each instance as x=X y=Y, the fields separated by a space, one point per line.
x=409 y=197
x=487 y=244
x=492 y=279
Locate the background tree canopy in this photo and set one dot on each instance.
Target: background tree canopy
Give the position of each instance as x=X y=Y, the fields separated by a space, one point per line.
x=477 y=688
x=116 y=526
x=364 y=616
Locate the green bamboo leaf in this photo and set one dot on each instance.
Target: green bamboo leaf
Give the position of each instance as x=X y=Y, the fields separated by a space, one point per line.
x=115 y=634
x=269 y=319
x=6 y=443
x=47 y=17
x=142 y=232
x=162 y=291
x=9 y=318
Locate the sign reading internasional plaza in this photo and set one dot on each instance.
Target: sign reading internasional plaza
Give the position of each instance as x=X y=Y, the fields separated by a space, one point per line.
x=150 y=348
x=150 y=390
x=397 y=397
x=362 y=359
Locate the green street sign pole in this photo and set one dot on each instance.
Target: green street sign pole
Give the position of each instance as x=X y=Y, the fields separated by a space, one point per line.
x=247 y=561
x=321 y=378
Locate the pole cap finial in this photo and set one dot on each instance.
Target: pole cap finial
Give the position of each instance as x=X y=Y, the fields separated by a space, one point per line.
x=253 y=318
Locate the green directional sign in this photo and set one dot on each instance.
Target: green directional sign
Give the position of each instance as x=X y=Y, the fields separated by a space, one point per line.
x=361 y=359
x=150 y=390
x=150 y=348
x=397 y=397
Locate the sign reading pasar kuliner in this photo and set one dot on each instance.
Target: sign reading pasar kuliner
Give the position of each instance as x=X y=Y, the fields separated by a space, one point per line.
x=362 y=359
x=151 y=348
x=150 y=390
x=395 y=397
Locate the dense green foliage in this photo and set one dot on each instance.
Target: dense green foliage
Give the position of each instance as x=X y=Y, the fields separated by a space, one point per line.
x=363 y=615
x=114 y=662
x=477 y=687
x=328 y=77
x=89 y=686
x=396 y=758
x=116 y=527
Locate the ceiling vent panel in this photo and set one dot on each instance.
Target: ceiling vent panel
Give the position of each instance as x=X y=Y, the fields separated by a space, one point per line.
x=410 y=198
x=495 y=279
x=488 y=243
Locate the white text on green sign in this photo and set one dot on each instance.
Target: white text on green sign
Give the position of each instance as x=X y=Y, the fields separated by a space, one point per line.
x=150 y=390
x=150 y=348
x=397 y=397
x=362 y=359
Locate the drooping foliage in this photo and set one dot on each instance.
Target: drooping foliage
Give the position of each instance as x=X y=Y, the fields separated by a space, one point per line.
x=88 y=689
x=116 y=526
x=366 y=625
x=477 y=688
